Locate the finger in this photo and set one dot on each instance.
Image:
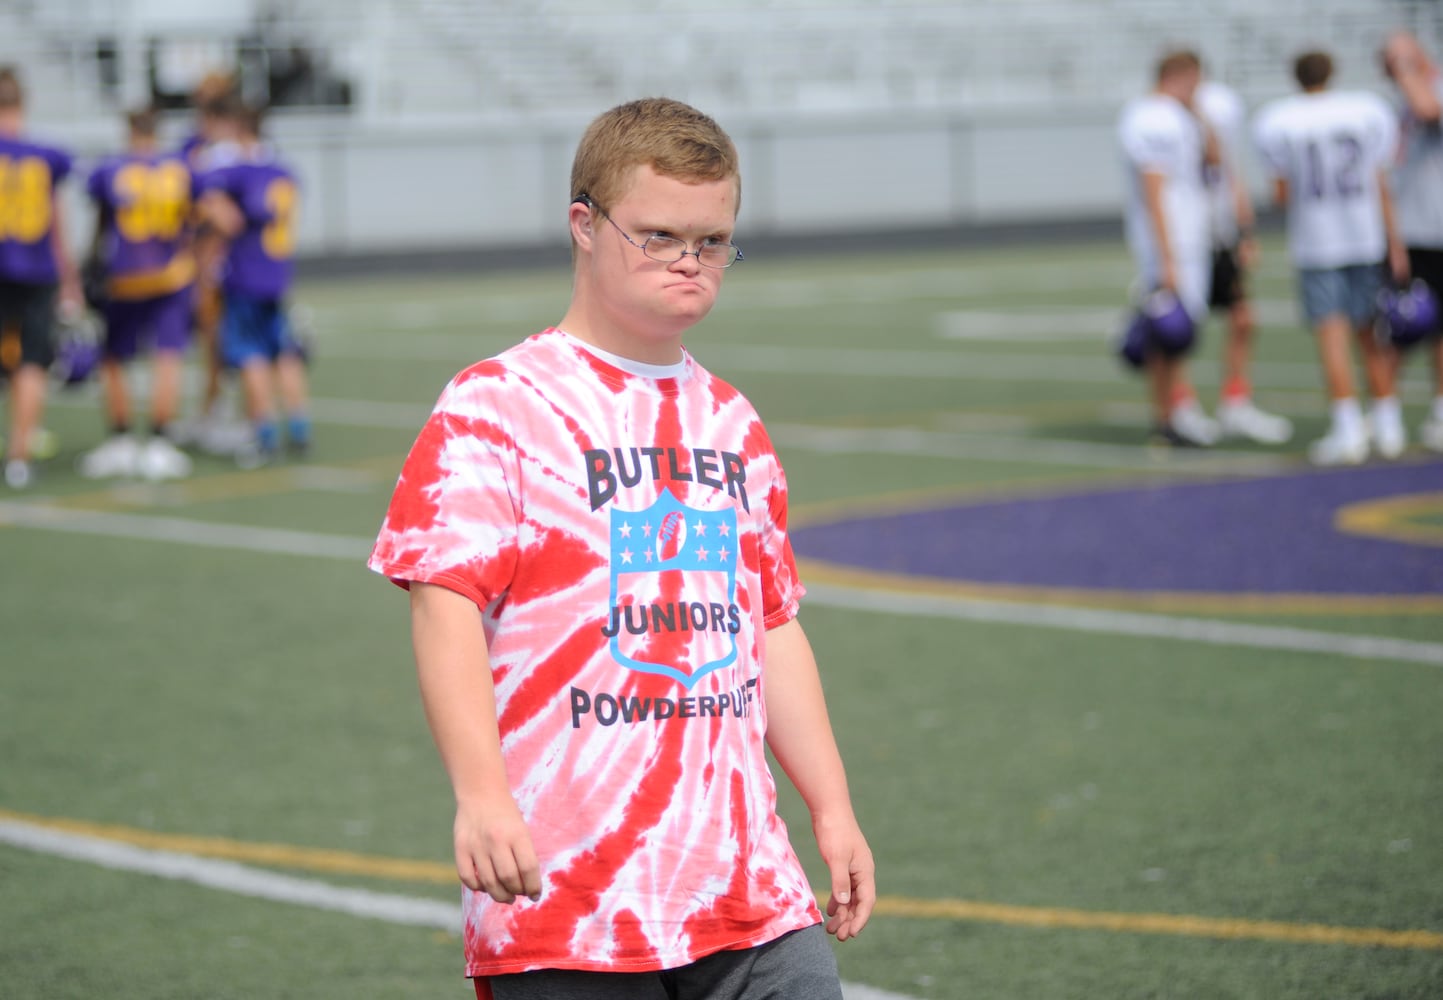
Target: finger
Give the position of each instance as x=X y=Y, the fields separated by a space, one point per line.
x=466 y=870
x=508 y=877
x=841 y=880
x=529 y=869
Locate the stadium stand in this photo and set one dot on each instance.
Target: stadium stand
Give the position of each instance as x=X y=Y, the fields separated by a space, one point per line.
x=403 y=58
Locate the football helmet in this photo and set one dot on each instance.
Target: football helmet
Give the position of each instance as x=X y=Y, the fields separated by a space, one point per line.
x=1132 y=341
x=1406 y=315
x=77 y=351
x=1169 y=326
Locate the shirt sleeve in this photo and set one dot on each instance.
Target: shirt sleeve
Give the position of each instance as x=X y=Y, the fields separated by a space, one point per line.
x=1150 y=141
x=453 y=518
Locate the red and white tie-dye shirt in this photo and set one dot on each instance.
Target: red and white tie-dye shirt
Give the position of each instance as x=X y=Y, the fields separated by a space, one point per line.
x=626 y=539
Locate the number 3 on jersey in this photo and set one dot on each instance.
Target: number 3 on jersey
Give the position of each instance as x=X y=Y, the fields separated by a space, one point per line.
x=278 y=239
x=24 y=199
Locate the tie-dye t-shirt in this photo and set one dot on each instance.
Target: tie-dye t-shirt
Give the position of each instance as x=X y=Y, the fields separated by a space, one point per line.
x=626 y=540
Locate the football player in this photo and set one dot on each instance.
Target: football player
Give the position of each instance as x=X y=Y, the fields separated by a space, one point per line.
x=1328 y=152
x=253 y=203
x=143 y=200
x=1163 y=144
x=35 y=265
x=1418 y=177
x=1235 y=252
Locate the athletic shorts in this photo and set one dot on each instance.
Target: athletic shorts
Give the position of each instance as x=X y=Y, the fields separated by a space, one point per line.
x=254 y=329
x=1227 y=280
x=161 y=324
x=1427 y=263
x=798 y=966
x=1350 y=291
x=27 y=323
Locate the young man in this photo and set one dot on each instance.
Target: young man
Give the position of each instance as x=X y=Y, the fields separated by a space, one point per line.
x=34 y=260
x=1329 y=152
x=253 y=202
x=1235 y=252
x=593 y=529
x=1418 y=177
x=1163 y=144
x=143 y=200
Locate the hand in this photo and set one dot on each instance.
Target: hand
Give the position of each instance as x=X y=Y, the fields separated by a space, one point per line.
x=494 y=853
x=853 y=874
x=1167 y=277
x=1398 y=262
x=1248 y=253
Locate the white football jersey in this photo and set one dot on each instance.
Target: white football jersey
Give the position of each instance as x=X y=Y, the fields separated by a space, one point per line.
x=1222 y=107
x=1418 y=180
x=1330 y=147
x=1160 y=136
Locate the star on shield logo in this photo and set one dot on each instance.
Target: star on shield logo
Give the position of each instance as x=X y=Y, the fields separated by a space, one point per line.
x=673 y=589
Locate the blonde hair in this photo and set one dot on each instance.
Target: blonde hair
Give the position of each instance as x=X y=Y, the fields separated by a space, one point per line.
x=674 y=139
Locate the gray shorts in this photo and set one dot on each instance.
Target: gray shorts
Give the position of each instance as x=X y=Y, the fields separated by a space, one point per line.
x=1350 y=291
x=796 y=966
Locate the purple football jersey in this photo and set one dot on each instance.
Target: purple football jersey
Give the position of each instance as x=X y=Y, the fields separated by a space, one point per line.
x=261 y=259
x=146 y=204
x=28 y=175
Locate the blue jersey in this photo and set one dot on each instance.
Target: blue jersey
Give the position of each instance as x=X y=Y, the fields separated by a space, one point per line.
x=145 y=201
x=262 y=255
x=29 y=173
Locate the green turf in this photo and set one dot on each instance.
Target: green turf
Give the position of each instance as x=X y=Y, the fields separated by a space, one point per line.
x=268 y=697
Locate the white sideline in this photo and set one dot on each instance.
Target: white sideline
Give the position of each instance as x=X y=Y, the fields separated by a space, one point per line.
x=303 y=543
x=258 y=883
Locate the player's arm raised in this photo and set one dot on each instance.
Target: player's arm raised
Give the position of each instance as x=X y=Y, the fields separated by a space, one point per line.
x=799 y=733
x=494 y=853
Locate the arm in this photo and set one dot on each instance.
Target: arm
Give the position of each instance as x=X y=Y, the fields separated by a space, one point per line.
x=1397 y=252
x=799 y=734
x=221 y=213
x=1247 y=219
x=1152 y=189
x=72 y=300
x=1415 y=82
x=494 y=853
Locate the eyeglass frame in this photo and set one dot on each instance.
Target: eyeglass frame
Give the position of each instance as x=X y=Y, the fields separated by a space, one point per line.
x=583 y=199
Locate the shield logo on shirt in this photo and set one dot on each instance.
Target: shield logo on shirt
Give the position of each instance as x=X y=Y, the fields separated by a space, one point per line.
x=673 y=589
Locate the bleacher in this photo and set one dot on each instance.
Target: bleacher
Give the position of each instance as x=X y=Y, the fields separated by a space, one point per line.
x=407 y=58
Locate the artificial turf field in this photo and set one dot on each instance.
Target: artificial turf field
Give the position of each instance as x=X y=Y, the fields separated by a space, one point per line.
x=1080 y=778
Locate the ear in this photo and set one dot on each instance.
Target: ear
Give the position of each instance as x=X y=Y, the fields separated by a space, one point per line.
x=579 y=218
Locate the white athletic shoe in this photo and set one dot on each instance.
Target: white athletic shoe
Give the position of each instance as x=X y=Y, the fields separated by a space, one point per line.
x=159 y=459
x=18 y=474
x=1190 y=423
x=1339 y=449
x=1240 y=418
x=115 y=458
x=1389 y=435
x=1430 y=433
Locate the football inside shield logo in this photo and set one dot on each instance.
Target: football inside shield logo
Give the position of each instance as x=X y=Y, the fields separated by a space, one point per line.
x=671 y=535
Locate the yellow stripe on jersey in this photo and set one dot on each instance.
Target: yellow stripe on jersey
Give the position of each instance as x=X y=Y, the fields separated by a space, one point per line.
x=150 y=284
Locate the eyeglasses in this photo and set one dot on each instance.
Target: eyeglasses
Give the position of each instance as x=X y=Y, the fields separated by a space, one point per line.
x=669 y=249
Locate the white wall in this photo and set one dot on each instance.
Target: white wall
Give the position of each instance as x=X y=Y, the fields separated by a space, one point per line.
x=428 y=186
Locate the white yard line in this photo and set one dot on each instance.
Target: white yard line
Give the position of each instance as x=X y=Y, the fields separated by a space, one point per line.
x=1140 y=624
x=259 y=883
x=1130 y=623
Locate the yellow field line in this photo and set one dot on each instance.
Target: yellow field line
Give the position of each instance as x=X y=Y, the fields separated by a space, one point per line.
x=1157 y=923
x=400 y=869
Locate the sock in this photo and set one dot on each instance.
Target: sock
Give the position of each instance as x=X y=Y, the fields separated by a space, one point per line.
x=1236 y=390
x=1182 y=396
x=267 y=435
x=119 y=427
x=298 y=429
x=158 y=428
x=1387 y=409
x=1347 y=417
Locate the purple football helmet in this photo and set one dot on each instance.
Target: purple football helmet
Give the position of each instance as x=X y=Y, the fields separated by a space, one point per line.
x=77 y=353
x=1132 y=341
x=1170 y=328
x=1407 y=315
